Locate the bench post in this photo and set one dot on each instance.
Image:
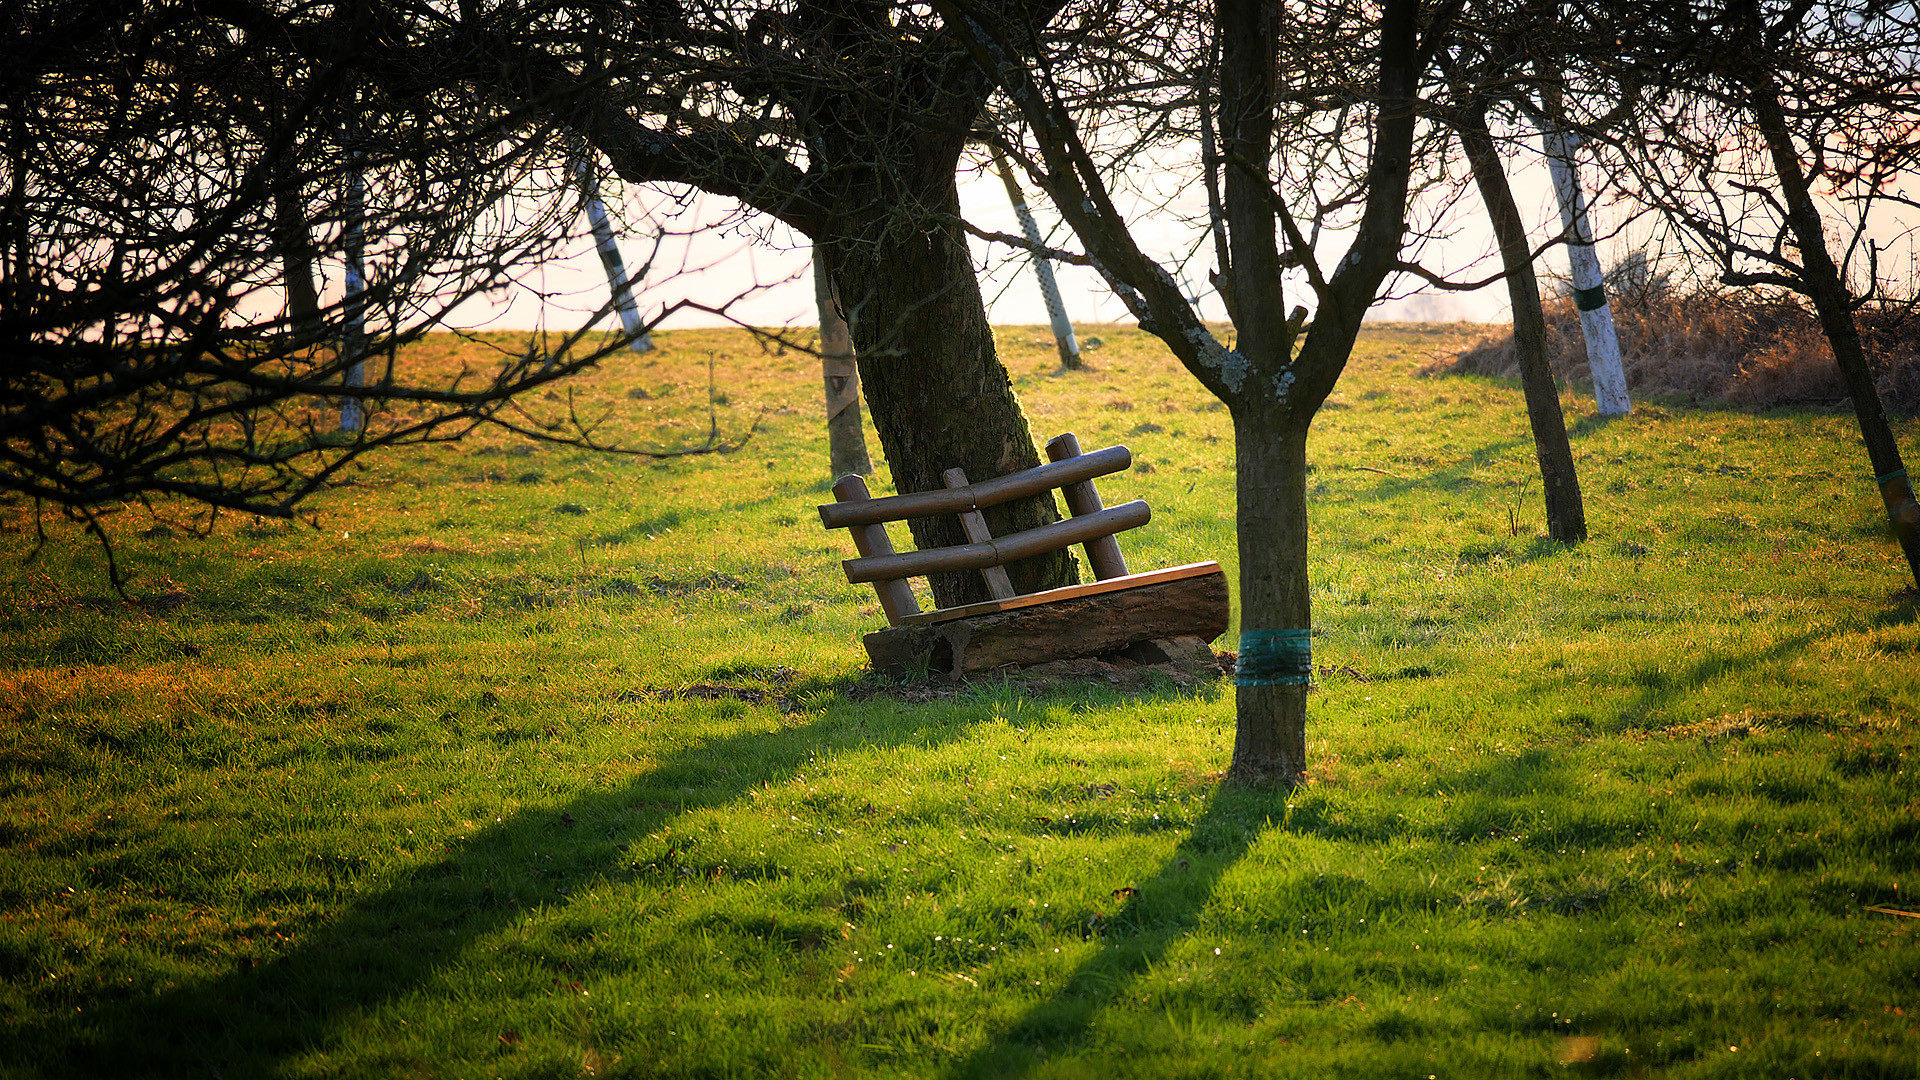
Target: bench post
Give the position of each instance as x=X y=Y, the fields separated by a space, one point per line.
x=999 y=586
x=1083 y=498
x=896 y=596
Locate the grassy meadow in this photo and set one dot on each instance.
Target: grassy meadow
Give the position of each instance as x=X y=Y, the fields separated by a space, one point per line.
x=522 y=761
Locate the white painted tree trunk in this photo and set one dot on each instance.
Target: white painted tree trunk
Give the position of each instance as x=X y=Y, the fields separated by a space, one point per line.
x=1063 y=338
x=1589 y=282
x=637 y=338
x=846 y=438
x=353 y=335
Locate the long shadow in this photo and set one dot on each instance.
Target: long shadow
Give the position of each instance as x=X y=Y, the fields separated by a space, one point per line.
x=1157 y=915
x=1590 y=423
x=1452 y=477
x=392 y=941
x=1659 y=688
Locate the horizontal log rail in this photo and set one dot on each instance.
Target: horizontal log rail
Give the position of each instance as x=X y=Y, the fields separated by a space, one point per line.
x=978 y=496
x=1000 y=550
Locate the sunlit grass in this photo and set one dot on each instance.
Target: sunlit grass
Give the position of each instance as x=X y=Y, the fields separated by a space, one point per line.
x=522 y=761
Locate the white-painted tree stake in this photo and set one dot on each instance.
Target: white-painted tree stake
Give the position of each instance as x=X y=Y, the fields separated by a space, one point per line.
x=1063 y=338
x=353 y=335
x=846 y=438
x=1589 y=283
x=637 y=338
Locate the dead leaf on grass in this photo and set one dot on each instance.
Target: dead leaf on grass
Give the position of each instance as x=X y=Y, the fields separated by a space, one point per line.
x=1578 y=1048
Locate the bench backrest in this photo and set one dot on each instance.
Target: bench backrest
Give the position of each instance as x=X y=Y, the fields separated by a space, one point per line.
x=1069 y=470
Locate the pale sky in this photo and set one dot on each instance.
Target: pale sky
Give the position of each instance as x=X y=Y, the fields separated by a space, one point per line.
x=770 y=273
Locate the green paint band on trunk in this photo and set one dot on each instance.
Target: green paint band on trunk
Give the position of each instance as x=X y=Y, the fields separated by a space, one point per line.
x=1902 y=471
x=1274 y=658
x=1590 y=299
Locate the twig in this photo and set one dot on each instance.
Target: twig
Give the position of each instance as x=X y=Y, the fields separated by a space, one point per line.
x=1369 y=468
x=1896 y=911
x=117 y=579
x=39 y=533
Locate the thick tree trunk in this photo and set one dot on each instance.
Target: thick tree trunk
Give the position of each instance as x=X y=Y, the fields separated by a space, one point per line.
x=846 y=439
x=1270 y=741
x=1566 y=512
x=1821 y=279
x=939 y=396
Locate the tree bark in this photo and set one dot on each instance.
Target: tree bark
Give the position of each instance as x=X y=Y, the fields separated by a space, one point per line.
x=1270 y=473
x=1566 y=512
x=1589 y=281
x=939 y=396
x=846 y=438
x=296 y=261
x=1831 y=301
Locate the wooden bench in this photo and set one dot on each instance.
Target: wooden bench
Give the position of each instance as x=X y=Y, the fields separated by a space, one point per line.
x=1160 y=614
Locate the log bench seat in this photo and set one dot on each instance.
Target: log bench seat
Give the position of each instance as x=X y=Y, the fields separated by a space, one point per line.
x=1155 y=615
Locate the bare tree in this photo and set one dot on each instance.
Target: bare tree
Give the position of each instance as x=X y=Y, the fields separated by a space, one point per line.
x=607 y=246
x=1589 y=280
x=1751 y=108
x=847 y=123
x=154 y=210
x=1565 y=509
x=1279 y=371
x=1479 y=66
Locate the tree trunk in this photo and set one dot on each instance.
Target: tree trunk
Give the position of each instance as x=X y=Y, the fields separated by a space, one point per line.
x=1821 y=279
x=1589 y=281
x=1270 y=471
x=293 y=238
x=608 y=249
x=939 y=396
x=1063 y=339
x=353 y=331
x=296 y=262
x=1566 y=513
x=846 y=439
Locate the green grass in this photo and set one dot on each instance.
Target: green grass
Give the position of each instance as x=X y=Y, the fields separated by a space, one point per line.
x=530 y=762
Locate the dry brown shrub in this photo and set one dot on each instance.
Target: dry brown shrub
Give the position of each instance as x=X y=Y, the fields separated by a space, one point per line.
x=1718 y=347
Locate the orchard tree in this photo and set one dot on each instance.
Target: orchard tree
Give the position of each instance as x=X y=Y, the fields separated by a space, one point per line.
x=1479 y=70
x=170 y=190
x=1565 y=509
x=1323 y=80
x=1767 y=132
x=845 y=122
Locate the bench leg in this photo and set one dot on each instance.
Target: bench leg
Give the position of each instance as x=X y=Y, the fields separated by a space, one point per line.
x=1083 y=498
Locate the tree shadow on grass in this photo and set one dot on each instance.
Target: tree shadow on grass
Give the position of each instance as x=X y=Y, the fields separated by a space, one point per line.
x=1454 y=476
x=392 y=941
x=1156 y=915
x=1660 y=686
x=1903 y=609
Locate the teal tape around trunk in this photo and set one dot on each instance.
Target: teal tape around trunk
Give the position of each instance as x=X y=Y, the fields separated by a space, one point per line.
x=1897 y=472
x=1590 y=299
x=1274 y=658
